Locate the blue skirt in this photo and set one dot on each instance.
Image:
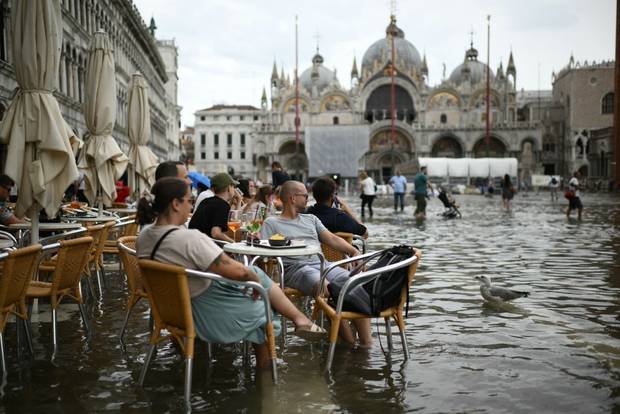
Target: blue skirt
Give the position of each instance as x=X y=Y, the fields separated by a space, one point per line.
x=224 y=313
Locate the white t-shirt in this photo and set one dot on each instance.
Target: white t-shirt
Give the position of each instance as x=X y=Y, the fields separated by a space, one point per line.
x=190 y=249
x=205 y=194
x=368 y=186
x=573 y=184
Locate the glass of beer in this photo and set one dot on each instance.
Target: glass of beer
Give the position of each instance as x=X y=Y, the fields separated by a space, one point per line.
x=234 y=222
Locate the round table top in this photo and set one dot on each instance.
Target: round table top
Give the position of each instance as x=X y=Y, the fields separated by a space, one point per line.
x=45 y=226
x=123 y=210
x=244 y=248
x=90 y=219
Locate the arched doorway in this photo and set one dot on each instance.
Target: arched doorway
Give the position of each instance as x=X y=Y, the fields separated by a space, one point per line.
x=387 y=154
x=262 y=166
x=495 y=149
x=379 y=104
x=294 y=161
x=448 y=147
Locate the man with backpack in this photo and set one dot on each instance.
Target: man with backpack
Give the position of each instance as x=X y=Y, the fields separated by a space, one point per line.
x=304 y=272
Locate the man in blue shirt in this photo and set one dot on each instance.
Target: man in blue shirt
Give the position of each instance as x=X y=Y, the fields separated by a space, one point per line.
x=421 y=183
x=399 y=184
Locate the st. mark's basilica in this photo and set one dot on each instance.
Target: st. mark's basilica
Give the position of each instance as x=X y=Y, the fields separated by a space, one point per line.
x=444 y=120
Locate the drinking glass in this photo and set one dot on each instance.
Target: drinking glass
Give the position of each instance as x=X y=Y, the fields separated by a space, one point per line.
x=234 y=222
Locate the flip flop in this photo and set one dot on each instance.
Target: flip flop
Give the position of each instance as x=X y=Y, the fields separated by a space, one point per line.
x=310 y=332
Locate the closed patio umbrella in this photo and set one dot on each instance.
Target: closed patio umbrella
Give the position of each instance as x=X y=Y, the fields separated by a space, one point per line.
x=102 y=160
x=39 y=155
x=142 y=160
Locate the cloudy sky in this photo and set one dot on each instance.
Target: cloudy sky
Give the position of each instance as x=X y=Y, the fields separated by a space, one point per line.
x=227 y=47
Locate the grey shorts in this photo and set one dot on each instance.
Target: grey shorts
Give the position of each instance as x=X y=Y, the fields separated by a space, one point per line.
x=306 y=277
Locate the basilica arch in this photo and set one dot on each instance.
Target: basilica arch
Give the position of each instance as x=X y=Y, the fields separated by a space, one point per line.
x=379 y=102
x=293 y=161
x=447 y=146
x=335 y=102
x=384 y=153
x=497 y=148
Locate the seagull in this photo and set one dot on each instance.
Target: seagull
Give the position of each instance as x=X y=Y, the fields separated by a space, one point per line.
x=498 y=294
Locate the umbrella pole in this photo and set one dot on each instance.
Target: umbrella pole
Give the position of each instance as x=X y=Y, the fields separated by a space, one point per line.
x=34 y=220
x=99 y=199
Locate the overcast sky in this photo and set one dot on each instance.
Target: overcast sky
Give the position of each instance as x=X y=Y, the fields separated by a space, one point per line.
x=227 y=47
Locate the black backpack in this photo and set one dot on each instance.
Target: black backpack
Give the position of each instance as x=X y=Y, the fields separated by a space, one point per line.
x=381 y=293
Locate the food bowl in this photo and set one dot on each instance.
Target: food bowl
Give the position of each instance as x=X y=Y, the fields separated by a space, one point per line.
x=278 y=242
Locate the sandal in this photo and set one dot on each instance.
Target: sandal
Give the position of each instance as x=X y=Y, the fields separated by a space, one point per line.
x=310 y=332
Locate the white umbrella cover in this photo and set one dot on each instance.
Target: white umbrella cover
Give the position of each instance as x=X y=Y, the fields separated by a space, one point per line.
x=40 y=159
x=141 y=158
x=103 y=161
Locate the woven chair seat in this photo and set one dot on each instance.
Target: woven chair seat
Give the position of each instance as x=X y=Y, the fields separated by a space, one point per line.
x=38 y=289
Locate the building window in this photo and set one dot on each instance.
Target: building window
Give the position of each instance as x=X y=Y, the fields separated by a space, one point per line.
x=241 y=118
x=608 y=103
x=228 y=118
x=203 y=139
x=202 y=118
x=216 y=155
x=229 y=155
x=256 y=117
x=203 y=155
x=229 y=139
x=216 y=139
x=242 y=155
x=336 y=120
x=242 y=139
x=443 y=118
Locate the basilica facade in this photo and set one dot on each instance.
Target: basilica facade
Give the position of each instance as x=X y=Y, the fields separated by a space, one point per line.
x=444 y=120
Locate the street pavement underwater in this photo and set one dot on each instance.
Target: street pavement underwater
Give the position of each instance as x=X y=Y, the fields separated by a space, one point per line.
x=554 y=351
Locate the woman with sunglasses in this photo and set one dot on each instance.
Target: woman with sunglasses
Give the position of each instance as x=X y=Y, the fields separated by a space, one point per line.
x=222 y=313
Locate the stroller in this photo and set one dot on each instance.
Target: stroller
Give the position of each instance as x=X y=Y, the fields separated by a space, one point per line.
x=449 y=203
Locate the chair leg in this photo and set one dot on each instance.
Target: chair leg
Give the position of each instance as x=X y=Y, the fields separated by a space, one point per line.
x=147 y=360
x=84 y=319
x=209 y=352
x=188 y=383
x=388 y=333
x=54 y=338
x=403 y=338
x=129 y=309
x=4 y=370
x=103 y=275
x=28 y=336
x=99 y=282
x=333 y=337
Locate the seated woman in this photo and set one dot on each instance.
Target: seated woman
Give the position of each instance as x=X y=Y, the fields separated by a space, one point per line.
x=222 y=313
x=262 y=199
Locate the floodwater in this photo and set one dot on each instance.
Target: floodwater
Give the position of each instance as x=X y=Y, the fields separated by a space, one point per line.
x=555 y=351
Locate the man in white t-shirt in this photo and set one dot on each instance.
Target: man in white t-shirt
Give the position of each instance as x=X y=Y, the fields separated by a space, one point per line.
x=574 y=203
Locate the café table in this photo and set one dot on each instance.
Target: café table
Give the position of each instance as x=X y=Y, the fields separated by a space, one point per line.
x=264 y=250
x=20 y=228
x=123 y=211
x=89 y=219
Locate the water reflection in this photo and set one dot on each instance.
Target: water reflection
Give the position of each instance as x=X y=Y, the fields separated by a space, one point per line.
x=554 y=351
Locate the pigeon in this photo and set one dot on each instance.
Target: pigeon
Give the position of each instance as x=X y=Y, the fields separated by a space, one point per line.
x=498 y=294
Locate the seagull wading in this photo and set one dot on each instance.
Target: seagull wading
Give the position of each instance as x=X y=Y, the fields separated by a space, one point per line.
x=498 y=294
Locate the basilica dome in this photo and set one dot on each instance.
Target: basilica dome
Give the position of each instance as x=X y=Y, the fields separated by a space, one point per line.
x=407 y=56
x=477 y=70
x=324 y=77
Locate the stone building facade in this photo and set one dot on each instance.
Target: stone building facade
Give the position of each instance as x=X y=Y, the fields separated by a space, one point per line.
x=444 y=120
x=224 y=140
x=585 y=92
x=135 y=49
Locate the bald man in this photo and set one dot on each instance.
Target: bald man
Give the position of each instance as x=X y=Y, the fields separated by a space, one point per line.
x=304 y=272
